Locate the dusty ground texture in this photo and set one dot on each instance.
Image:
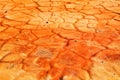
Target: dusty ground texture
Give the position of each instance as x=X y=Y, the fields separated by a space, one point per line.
x=59 y=39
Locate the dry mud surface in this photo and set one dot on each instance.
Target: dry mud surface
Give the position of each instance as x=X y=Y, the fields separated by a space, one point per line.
x=59 y=39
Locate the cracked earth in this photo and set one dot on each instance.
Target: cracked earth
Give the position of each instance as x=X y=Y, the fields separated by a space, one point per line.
x=60 y=40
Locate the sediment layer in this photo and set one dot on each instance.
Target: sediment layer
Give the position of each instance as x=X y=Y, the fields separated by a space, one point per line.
x=59 y=40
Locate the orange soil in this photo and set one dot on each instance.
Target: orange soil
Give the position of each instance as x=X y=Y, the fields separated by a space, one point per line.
x=50 y=39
